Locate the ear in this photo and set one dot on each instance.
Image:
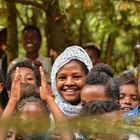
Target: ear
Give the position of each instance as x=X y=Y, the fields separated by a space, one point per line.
x=9 y=93
x=1 y=87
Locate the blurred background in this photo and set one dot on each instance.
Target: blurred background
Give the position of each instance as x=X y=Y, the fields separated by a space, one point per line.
x=112 y=24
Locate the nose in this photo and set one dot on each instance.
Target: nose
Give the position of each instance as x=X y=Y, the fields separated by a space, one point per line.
x=127 y=101
x=22 y=80
x=69 y=81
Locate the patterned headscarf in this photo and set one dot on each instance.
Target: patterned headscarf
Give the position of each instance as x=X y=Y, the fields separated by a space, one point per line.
x=70 y=53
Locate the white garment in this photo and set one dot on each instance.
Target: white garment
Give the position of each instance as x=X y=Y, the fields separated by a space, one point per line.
x=70 y=53
x=133 y=136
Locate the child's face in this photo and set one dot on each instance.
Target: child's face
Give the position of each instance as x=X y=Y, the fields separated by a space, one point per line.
x=27 y=76
x=92 y=92
x=129 y=97
x=70 y=80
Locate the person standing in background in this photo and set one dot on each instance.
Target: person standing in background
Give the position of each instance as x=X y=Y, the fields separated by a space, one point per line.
x=137 y=53
x=3 y=55
x=31 y=43
x=93 y=51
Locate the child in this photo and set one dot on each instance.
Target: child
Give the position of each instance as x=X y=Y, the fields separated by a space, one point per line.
x=32 y=40
x=97 y=117
x=29 y=108
x=100 y=85
x=28 y=74
x=32 y=111
x=129 y=97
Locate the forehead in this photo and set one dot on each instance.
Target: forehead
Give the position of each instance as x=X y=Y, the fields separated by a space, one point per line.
x=73 y=65
x=128 y=89
x=94 y=88
x=24 y=70
x=30 y=32
x=93 y=92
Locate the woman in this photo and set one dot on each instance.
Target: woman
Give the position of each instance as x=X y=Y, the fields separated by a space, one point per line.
x=68 y=78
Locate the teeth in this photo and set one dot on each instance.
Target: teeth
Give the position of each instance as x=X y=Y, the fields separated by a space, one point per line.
x=29 y=45
x=69 y=90
x=126 y=108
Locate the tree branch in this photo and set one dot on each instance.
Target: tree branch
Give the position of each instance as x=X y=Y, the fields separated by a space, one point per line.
x=31 y=2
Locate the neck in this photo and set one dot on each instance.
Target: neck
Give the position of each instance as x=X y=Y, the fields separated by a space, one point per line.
x=75 y=102
x=32 y=56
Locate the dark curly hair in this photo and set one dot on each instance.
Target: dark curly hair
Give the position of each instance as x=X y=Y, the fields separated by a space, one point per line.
x=22 y=64
x=32 y=28
x=102 y=74
x=99 y=107
x=93 y=47
x=31 y=99
x=126 y=78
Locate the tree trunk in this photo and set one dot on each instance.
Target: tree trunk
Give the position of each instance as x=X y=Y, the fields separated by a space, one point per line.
x=12 y=31
x=109 y=50
x=55 y=26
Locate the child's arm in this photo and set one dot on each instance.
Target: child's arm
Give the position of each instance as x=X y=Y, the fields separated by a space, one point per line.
x=61 y=120
x=11 y=105
x=47 y=97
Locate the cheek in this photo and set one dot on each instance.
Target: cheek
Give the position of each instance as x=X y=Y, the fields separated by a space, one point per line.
x=135 y=103
x=120 y=102
x=81 y=83
x=59 y=85
x=34 y=82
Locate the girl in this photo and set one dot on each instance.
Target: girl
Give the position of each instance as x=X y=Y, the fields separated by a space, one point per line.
x=68 y=78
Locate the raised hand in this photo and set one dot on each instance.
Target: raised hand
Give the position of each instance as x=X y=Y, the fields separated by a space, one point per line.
x=15 y=88
x=45 y=93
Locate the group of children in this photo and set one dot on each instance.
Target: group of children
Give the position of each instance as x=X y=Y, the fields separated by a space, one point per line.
x=78 y=91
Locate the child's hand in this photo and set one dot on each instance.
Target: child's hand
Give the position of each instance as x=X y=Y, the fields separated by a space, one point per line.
x=45 y=93
x=15 y=88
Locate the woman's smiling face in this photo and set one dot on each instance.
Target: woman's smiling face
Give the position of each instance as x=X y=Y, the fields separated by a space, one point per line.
x=70 y=80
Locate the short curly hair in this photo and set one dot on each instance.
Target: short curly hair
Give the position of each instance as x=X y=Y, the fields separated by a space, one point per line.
x=94 y=47
x=126 y=79
x=22 y=64
x=32 y=28
x=99 y=107
x=102 y=74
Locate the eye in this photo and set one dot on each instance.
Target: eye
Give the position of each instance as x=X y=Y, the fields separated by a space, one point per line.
x=77 y=76
x=135 y=97
x=61 y=77
x=121 y=96
x=29 y=77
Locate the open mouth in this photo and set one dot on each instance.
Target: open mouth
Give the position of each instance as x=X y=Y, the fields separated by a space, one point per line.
x=126 y=109
x=29 y=45
x=70 y=91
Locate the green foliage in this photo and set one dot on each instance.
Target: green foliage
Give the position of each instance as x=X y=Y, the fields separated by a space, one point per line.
x=113 y=24
x=118 y=20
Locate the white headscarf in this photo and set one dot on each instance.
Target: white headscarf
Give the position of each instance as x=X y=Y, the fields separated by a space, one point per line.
x=70 y=53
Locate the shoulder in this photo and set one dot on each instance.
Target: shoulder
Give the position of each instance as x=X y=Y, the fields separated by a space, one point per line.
x=45 y=60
